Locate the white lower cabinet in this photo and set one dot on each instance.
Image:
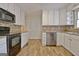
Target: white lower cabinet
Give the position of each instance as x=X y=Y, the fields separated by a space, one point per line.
x=67 y=43
x=72 y=43
x=60 y=39
x=44 y=39
x=24 y=39
x=3 y=44
x=75 y=45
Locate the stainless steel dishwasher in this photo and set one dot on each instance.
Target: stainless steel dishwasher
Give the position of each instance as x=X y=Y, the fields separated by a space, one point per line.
x=51 y=38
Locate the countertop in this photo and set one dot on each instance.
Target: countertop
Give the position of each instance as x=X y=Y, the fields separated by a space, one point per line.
x=23 y=29
x=55 y=25
x=70 y=31
x=73 y=33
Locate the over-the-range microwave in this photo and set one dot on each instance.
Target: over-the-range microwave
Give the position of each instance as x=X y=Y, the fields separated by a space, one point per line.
x=6 y=16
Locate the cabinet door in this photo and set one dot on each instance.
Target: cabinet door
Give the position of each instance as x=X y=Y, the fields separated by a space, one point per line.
x=24 y=39
x=55 y=17
x=62 y=16
x=3 y=45
x=60 y=38
x=67 y=42
x=45 y=17
x=4 y=6
x=17 y=14
x=75 y=46
x=50 y=17
x=11 y=8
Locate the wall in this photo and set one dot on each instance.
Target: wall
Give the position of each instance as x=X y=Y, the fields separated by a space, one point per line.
x=34 y=24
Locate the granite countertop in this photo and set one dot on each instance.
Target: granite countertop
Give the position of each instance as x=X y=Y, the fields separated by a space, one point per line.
x=23 y=29
x=56 y=31
x=70 y=31
x=55 y=25
x=73 y=33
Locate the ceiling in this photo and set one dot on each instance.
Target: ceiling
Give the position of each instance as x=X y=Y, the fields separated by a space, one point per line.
x=31 y=7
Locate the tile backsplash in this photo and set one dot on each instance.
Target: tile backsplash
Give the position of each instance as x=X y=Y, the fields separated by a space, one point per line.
x=57 y=28
x=13 y=28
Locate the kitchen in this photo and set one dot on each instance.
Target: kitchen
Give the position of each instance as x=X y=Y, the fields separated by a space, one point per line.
x=54 y=25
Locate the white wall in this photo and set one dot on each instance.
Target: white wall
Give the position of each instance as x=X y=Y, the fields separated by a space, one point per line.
x=34 y=24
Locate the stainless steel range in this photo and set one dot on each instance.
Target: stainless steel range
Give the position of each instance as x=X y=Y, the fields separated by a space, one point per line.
x=13 y=44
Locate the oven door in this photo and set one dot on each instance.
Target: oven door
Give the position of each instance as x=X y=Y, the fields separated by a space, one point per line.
x=14 y=44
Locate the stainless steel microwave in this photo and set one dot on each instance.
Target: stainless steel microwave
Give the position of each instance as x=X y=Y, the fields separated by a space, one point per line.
x=6 y=16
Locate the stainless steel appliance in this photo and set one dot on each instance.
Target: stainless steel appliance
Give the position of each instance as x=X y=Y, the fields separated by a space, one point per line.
x=51 y=38
x=6 y=16
x=13 y=44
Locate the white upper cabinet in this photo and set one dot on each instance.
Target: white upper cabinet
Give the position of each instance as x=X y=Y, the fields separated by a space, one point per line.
x=11 y=8
x=4 y=6
x=50 y=17
x=17 y=15
x=14 y=9
x=44 y=17
x=62 y=17
x=56 y=17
